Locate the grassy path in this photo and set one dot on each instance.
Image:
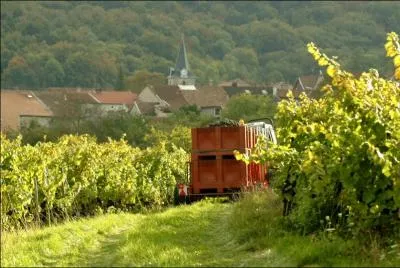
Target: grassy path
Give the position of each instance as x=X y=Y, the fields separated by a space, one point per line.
x=247 y=233
x=195 y=235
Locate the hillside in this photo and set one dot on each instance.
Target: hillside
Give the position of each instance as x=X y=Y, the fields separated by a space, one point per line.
x=100 y=44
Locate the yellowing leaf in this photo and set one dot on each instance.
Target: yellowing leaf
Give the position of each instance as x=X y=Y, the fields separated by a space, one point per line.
x=311 y=48
x=322 y=61
x=386 y=170
x=390 y=52
x=397 y=73
x=396 y=61
x=331 y=70
x=310 y=155
x=290 y=94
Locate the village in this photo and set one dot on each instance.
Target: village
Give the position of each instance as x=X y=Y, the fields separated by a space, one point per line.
x=19 y=107
x=200 y=133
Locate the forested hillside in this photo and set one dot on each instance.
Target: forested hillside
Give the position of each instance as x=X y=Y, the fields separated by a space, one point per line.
x=100 y=44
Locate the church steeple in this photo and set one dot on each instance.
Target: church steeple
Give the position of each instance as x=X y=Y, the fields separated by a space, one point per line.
x=181 y=74
x=182 y=60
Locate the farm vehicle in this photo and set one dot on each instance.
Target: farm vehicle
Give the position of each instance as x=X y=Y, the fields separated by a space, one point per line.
x=213 y=170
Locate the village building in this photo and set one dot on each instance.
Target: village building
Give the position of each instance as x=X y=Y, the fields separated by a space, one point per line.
x=308 y=83
x=115 y=101
x=21 y=107
x=238 y=86
x=181 y=91
x=181 y=75
x=209 y=99
x=165 y=98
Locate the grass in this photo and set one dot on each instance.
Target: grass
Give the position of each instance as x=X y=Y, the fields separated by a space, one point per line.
x=259 y=224
x=207 y=233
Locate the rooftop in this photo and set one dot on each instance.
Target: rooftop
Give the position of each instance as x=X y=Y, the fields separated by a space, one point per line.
x=15 y=103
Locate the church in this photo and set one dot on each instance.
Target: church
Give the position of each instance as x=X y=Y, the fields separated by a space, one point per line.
x=181 y=75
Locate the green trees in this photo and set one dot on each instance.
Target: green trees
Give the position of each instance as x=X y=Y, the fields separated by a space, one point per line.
x=247 y=107
x=338 y=156
x=89 y=37
x=54 y=73
x=140 y=79
x=20 y=73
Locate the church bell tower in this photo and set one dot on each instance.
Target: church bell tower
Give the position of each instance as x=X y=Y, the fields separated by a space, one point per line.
x=181 y=74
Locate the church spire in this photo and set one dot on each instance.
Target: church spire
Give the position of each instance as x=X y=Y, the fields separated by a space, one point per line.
x=182 y=60
x=181 y=74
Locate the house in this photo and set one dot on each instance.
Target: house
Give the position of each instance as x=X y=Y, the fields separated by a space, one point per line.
x=280 y=90
x=69 y=102
x=237 y=83
x=114 y=101
x=181 y=74
x=167 y=98
x=144 y=108
x=21 y=107
x=238 y=86
x=309 y=82
x=209 y=99
x=282 y=95
x=76 y=102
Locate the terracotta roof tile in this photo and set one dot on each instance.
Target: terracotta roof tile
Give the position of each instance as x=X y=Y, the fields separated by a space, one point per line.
x=19 y=102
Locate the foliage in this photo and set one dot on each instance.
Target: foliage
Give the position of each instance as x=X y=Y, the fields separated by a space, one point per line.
x=85 y=43
x=114 y=125
x=77 y=176
x=140 y=79
x=257 y=222
x=180 y=137
x=338 y=159
x=187 y=116
x=247 y=107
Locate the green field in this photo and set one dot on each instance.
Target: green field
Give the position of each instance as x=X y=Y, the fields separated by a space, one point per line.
x=206 y=233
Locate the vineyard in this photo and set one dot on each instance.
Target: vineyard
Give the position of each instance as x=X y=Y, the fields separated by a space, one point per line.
x=338 y=161
x=76 y=176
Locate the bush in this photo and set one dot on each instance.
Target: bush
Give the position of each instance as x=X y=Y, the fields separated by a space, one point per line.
x=338 y=159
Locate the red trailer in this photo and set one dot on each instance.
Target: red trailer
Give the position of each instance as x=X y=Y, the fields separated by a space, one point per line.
x=213 y=169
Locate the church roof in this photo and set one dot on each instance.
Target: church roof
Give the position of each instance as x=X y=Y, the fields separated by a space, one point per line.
x=182 y=60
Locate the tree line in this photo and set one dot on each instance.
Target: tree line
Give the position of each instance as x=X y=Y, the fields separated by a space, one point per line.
x=126 y=44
